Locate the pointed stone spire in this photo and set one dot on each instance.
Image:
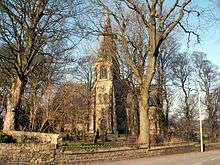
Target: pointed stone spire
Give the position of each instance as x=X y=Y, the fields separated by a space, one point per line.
x=107 y=25
x=107 y=49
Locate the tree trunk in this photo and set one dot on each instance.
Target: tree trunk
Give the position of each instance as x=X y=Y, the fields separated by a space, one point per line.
x=144 y=135
x=136 y=118
x=211 y=115
x=13 y=101
x=167 y=110
x=187 y=114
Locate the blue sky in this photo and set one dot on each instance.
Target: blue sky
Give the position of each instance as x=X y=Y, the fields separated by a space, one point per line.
x=210 y=33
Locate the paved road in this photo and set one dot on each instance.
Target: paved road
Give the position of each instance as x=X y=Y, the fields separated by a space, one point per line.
x=195 y=158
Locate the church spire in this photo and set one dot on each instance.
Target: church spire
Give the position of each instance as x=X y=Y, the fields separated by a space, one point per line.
x=107 y=46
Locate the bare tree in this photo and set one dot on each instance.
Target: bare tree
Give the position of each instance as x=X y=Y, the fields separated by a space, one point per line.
x=56 y=108
x=49 y=73
x=181 y=72
x=83 y=71
x=158 y=22
x=207 y=74
x=28 y=29
x=167 y=52
x=179 y=122
x=137 y=46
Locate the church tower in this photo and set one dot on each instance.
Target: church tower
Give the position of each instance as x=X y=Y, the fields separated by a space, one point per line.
x=104 y=111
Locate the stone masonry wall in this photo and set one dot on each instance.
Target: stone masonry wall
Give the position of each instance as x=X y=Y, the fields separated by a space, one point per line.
x=20 y=136
x=44 y=154
x=21 y=154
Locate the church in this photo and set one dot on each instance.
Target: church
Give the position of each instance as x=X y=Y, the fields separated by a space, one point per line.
x=109 y=104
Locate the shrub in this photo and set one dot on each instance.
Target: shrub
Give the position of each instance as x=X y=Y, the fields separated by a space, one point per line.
x=6 y=138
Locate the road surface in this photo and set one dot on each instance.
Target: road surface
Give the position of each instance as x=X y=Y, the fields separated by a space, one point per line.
x=194 y=158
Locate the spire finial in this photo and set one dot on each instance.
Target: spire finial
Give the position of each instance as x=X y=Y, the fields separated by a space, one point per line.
x=106 y=16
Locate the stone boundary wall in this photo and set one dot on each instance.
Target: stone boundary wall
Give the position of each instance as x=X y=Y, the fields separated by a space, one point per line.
x=22 y=136
x=22 y=154
x=44 y=154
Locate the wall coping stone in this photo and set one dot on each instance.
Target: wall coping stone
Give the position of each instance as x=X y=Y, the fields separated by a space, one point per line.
x=41 y=137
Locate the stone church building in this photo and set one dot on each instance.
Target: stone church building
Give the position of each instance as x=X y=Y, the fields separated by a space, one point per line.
x=109 y=110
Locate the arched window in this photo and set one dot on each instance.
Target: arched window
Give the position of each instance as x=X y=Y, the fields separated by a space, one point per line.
x=103 y=72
